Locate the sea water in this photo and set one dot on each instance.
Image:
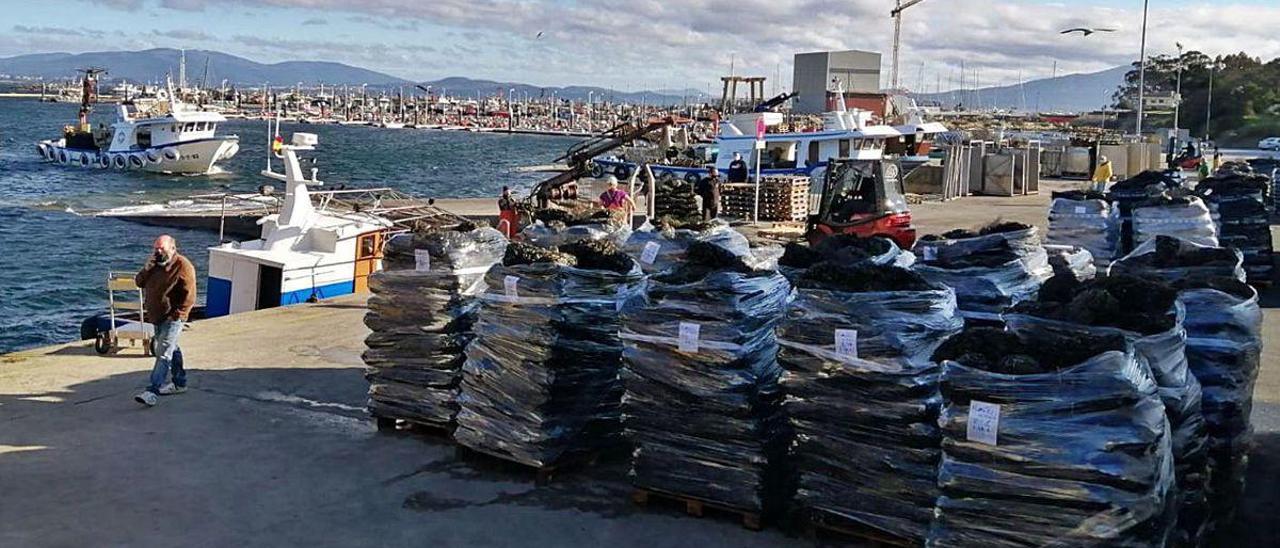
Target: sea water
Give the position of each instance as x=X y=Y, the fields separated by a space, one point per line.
x=54 y=260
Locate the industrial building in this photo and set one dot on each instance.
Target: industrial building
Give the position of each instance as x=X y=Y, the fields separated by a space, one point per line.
x=859 y=71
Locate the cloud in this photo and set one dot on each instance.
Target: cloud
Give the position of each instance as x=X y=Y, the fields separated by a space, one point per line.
x=656 y=43
x=315 y=21
x=58 y=31
x=183 y=34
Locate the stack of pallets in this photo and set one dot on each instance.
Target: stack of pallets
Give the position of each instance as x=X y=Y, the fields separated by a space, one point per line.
x=782 y=198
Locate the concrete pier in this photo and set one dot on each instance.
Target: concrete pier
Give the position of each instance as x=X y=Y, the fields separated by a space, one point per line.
x=272 y=447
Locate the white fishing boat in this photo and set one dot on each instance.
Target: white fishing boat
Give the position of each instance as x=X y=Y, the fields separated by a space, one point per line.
x=305 y=253
x=160 y=135
x=845 y=133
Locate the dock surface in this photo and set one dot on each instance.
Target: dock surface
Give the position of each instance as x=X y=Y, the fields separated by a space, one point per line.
x=271 y=447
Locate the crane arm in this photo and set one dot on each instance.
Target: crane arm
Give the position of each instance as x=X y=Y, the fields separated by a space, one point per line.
x=903 y=6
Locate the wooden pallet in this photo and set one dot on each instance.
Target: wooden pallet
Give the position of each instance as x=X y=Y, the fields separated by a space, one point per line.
x=400 y=424
x=697 y=507
x=821 y=525
x=542 y=475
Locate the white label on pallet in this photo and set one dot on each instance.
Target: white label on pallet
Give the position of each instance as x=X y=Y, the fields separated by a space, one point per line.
x=984 y=422
x=509 y=285
x=421 y=260
x=650 y=252
x=689 y=336
x=929 y=253
x=847 y=342
x=1081 y=210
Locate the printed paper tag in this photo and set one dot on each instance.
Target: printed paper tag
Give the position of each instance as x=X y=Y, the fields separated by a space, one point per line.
x=421 y=260
x=650 y=253
x=509 y=284
x=689 y=336
x=1081 y=210
x=847 y=342
x=929 y=253
x=984 y=422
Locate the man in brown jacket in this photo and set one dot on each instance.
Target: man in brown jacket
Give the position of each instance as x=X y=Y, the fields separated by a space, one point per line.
x=168 y=283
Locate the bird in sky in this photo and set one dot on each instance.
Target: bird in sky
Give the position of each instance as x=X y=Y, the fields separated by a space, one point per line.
x=1084 y=31
x=538 y=36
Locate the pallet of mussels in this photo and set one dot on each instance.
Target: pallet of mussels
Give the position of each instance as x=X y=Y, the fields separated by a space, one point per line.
x=782 y=198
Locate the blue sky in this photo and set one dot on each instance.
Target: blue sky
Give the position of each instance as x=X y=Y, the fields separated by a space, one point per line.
x=634 y=44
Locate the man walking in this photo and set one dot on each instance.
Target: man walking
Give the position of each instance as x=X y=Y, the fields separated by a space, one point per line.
x=709 y=189
x=168 y=283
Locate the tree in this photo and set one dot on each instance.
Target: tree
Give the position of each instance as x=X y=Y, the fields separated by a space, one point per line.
x=1244 y=89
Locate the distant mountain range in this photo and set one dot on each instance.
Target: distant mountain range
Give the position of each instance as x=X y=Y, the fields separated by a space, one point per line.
x=1069 y=93
x=151 y=66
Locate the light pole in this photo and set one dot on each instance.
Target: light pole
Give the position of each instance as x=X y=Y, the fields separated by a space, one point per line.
x=1177 y=105
x=1142 y=68
x=1208 y=109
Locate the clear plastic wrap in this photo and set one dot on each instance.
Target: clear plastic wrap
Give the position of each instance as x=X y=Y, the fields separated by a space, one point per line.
x=1165 y=356
x=540 y=383
x=1090 y=224
x=556 y=234
x=658 y=250
x=864 y=404
x=1171 y=259
x=702 y=405
x=1078 y=260
x=1187 y=218
x=1075 y=457
x=1224 y=348
x=420 y=314
x=985 y=288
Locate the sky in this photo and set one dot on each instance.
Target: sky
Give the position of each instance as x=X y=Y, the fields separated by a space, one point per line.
x=650 y=44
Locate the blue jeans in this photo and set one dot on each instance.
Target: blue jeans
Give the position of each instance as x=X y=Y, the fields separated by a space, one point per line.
x=168 y=356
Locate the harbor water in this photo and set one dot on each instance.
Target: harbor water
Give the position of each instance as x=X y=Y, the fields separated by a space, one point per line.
x=54 y=259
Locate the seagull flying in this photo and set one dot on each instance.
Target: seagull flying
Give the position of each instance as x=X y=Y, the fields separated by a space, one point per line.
x=1084 y=31
x=538 y=36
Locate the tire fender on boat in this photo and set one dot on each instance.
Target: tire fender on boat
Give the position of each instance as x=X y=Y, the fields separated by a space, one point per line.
x=85 y=160
x=622 y=172
x=62 y=156
x=104 y=160
x=170 y=153
x=118 y=161
x=691 y=178
x=42 y=150
x=137 y=160
x=153 y=156
x=597 y=171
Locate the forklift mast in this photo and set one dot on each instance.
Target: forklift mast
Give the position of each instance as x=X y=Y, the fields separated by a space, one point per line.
x=863 y=198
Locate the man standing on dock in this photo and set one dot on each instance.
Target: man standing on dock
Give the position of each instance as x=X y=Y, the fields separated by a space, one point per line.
x=708 y=189
x=737 y=169
x=508 y=216
x=168 y=283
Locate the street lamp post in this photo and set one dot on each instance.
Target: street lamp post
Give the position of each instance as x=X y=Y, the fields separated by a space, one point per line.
x=1177 y=105
x=1142 y=68
x=1208 y=109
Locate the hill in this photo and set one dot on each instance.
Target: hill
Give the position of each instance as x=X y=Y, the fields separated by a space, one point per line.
x=153 y=64
x=1070 y=93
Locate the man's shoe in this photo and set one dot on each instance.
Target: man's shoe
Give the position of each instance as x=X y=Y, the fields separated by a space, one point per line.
x=170 y=389
x=147 y=398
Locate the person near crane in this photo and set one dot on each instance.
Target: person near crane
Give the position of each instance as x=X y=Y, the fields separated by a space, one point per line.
x=617 y=202
x=708 y=188
x=508 y=218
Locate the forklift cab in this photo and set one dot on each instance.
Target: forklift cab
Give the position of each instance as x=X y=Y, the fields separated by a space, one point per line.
x=863 y=198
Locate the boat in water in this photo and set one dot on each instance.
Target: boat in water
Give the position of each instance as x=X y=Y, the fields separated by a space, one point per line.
x=159 y=135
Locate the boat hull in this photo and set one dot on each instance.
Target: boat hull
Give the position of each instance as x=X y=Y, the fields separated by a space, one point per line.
x=196 y=157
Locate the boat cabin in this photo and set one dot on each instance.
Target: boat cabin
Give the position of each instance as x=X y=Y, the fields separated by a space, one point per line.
x=160 y=127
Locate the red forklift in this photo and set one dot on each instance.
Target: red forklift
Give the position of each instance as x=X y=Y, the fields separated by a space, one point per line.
x=864 y=198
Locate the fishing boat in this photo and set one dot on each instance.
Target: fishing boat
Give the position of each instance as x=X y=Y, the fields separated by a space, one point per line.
x=159 y=135
x=845 y=133
x=305 y=253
